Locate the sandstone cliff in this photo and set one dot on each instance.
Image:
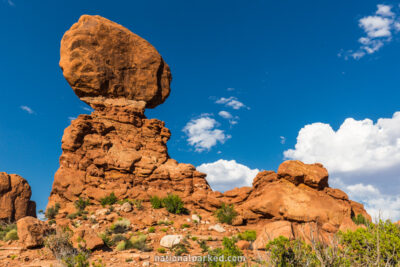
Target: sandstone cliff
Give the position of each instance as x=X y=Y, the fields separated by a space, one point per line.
x=15 y=195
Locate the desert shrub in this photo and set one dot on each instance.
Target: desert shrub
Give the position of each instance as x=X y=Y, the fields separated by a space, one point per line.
x=52 y=211
x=6 y=228
x=229 y=250
x=61 y=246
x=138 y=204
x=285 y=252
x=378 y=243
x=164 y=230
x=360 y=219
x=118 y=238
x=180 y=249
x=185 y=225
x=79 y=260
x=248 y=235
x=120 y=226
x=226 y=213
x=139 y=242
x=165 y=222
x=122 y=245
x=11 y=235
x=105 y=236
x=173 y=204
x=203 y=245
x=72 y=216
x=81 y=204
x=161 y=250
x=151 y=229
x=109 y=200
x=156 y=202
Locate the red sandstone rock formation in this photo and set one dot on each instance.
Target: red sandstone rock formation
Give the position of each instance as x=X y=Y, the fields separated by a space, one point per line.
x=117 y=149
x=295 y=201
x=15 y=195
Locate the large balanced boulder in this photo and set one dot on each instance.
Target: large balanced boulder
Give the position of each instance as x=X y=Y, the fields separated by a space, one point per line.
x=101 y=58
x=15 y=195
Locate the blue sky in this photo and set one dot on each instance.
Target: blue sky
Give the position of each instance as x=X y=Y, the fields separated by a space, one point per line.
x=292 y=64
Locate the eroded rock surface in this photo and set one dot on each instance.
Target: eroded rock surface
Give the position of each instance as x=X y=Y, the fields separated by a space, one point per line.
x=101 y=58
x=15 y=195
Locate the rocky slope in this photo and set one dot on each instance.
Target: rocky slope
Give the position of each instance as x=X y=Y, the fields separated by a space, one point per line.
x=15 y=195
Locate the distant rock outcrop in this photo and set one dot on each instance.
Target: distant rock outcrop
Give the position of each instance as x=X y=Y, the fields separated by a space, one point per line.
x=15 y=195
x=295 y=201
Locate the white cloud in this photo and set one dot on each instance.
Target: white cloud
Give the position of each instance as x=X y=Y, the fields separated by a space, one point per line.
x=378 y=205
x=232 y=102
x=27 y=109
x=11 y=3
x=71 y=118
x=230 y=89
x=283 y=139
x=223 y=175
x=378 y=29
x=88 y=109
x=363 y=154
x=225 y=114
x=356 y=145
x=385 y=10
x=202 y=133
x=376 y=26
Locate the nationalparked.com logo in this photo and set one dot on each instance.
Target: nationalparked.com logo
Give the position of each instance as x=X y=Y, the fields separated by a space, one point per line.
x=207 y=258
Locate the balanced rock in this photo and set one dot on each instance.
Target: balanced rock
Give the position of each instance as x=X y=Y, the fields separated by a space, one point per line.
x=15 y=195
x=101 y=58
x=117 y=149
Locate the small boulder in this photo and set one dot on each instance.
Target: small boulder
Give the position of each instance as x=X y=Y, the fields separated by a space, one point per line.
x=31 y=232
x=196 y=218
x=218 y=228
x=243 y=244
x=169 y=241
x=87 y=238
x=126 y=207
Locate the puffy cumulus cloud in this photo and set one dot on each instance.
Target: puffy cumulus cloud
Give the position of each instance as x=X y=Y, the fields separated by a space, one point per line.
x=362 y=157
x=232 y=102
x=356 y=145
x=223 y=175
x=378 y=29
x=203 y=134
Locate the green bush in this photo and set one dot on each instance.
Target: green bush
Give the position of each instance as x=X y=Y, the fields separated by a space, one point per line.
x=229 y=250
x=185 y=225
x=81 y=204
x=52 y=211
x=105 y=236
x=79 y=260
x=139 y=242
x=151 y=229
x=360 y=219
x=109 y=200
x=6 y=228
x=156 y=202
x=11 y=235
x=138 y=204
x=226 y=213
x=120 y=226
x=173 y=204
x=161 y=250
x=283 y=252
x=378 y=243
x=248 y=235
